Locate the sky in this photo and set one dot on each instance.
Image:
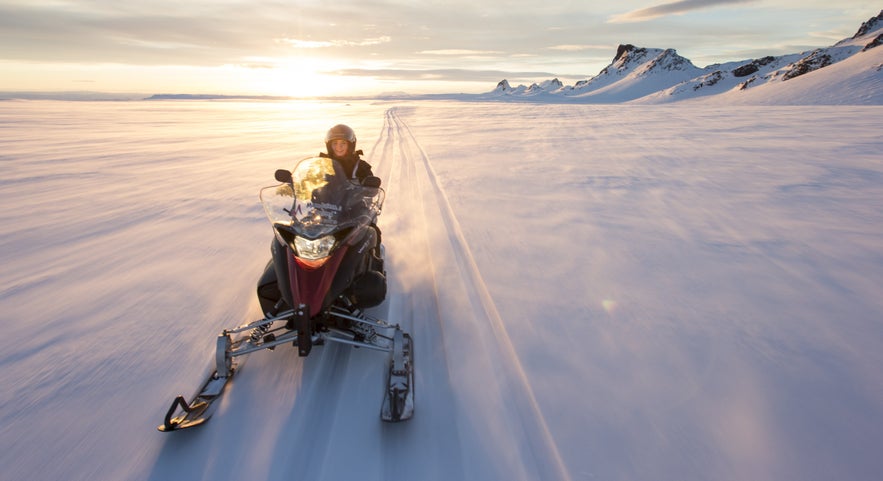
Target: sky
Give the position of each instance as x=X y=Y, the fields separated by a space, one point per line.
x=364 y=47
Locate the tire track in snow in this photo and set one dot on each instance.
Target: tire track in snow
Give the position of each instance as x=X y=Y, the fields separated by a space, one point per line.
x=427 y=446
x=500 y=429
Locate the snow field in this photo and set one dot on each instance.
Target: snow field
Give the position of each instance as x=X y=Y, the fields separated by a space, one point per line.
x=595 y=292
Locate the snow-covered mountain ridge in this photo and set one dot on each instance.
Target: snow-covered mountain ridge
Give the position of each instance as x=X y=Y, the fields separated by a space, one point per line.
x=652 y=75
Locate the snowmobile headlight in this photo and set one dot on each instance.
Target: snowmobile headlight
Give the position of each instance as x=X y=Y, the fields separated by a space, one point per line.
x=314 y=249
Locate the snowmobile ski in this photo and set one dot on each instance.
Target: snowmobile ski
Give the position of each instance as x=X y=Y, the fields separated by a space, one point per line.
x=202 y=405
x=198 y=410
x=398 y=400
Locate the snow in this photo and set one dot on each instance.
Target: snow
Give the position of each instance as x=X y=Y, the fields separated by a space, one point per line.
x=849 y=72
x=857 y=80
x=681 y=291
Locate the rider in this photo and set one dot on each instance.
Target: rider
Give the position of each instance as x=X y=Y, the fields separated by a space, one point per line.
x=340 y=143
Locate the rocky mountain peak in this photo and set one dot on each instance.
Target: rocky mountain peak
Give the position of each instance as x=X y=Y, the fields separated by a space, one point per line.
x=623 y=49
x=628 y=53
x=670 y=60
x=873 y=24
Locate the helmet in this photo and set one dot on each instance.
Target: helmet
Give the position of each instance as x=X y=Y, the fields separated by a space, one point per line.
x=341 y=131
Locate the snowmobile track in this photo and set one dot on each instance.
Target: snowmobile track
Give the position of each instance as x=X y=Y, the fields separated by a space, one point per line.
x=409 y=302
x=455 y=322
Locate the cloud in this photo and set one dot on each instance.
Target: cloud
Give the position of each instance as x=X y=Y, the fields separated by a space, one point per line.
x=297 y=43
x=673 y=8
x=461 y=75
x=460 y=52
x=578 y=48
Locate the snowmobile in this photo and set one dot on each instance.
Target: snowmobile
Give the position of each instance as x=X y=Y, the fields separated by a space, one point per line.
x=327 y=268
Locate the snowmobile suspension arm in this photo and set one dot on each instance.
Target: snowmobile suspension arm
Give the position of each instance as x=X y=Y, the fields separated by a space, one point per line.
x=235 y=350
x=268 y=320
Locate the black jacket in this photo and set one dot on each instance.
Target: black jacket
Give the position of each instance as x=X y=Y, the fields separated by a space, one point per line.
x=353 y=165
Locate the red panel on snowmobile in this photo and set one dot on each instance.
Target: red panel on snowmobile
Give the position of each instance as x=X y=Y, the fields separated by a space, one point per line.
x=310 y=281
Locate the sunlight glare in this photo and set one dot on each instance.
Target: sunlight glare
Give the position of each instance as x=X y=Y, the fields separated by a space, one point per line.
x=609 y=305
x=299 y=77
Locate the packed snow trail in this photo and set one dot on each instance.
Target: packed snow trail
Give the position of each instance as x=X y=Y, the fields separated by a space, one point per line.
x=456 y=322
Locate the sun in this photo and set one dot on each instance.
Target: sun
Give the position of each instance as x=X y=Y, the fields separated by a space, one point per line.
x=295 y=77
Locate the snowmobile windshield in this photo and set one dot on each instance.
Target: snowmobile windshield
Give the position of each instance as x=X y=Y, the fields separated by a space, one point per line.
x=320 y=200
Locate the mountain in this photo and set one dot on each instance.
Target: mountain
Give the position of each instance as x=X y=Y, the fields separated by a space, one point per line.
x=850 y=71
x=634 y=73
x=534 y=89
